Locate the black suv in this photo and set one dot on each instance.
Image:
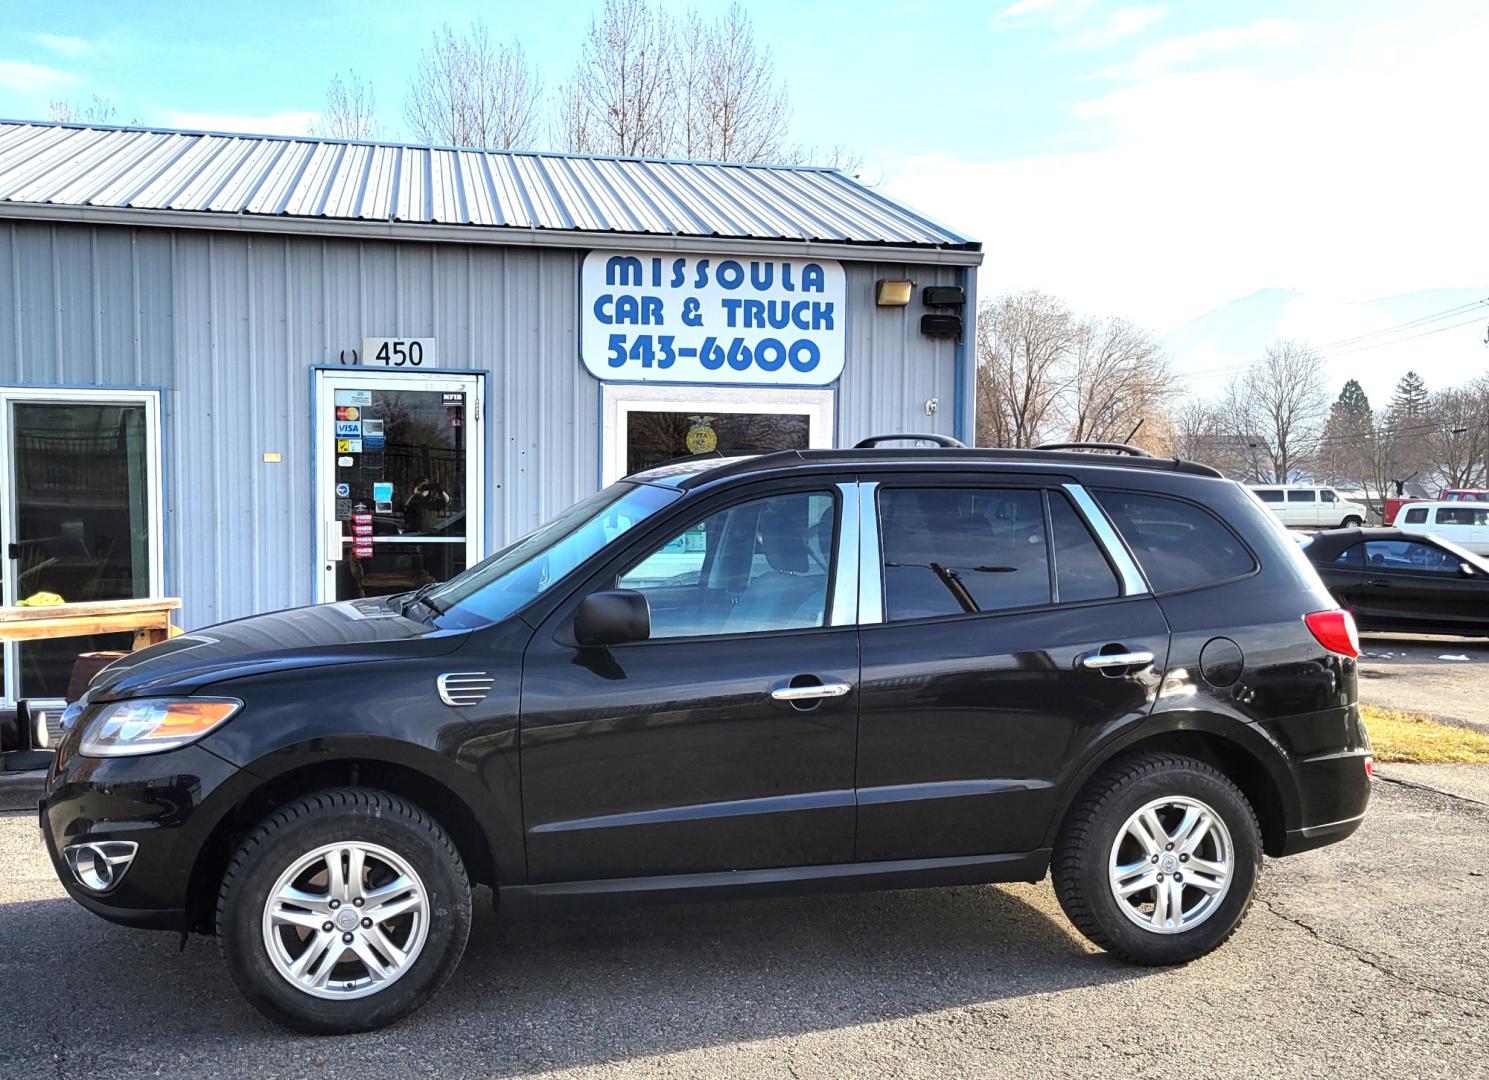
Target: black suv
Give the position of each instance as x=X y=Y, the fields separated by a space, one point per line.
x=877 y=667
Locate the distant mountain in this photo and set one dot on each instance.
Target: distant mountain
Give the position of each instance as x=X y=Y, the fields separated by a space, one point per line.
x=1445 y=347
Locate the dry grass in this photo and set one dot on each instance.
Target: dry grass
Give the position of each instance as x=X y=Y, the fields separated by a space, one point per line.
x=1420 y=740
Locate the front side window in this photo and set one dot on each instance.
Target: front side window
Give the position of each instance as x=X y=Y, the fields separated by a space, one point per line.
x=1417 y=516
x=951 y=551
x=1301 y=497
x=1328 y=496
x=1410 y=555
x=1178 y=544
x=756 y=566
x=497 y=586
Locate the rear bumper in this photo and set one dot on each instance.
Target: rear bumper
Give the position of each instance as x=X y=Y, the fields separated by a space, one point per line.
x=1315 y=836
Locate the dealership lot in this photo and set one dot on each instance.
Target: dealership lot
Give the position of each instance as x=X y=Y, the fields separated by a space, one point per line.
x=1363 y=958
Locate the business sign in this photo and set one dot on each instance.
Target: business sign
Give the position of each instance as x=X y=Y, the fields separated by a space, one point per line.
x=703 y=319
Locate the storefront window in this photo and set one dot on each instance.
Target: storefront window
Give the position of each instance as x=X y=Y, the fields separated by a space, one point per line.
x=655 y=437
x=81 y=521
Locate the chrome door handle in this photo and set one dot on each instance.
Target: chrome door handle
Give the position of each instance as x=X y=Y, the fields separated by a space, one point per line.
x=810 y=693
x=1099 y=661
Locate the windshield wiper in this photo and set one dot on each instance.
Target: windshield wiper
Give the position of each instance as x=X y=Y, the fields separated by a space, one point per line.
x=421 y=596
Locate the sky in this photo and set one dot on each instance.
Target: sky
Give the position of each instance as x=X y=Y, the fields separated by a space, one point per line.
x=1148 y=159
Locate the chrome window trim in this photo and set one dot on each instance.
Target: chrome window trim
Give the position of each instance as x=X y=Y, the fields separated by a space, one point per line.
x=871 y=567
x=1133 y=583
x=845 y=579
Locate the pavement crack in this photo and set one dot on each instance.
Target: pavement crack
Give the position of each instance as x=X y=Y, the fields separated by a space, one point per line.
x=1429 y=787
x=1369 y=959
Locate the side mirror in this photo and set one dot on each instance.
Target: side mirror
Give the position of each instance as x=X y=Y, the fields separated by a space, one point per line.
x=612 y=618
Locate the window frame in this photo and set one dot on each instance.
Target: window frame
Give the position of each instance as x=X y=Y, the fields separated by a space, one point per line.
x=1047 y=487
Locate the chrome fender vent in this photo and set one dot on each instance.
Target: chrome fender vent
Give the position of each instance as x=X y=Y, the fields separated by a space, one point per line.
x=458 y=688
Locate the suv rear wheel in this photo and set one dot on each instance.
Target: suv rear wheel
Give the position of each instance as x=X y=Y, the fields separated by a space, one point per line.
x=343 y=911
x=1158 y=860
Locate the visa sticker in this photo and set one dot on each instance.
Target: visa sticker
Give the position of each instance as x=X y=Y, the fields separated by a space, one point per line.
x=349 y=429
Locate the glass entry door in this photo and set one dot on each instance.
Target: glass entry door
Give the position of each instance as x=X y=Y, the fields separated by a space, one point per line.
x=80 y=517
x=399 y=480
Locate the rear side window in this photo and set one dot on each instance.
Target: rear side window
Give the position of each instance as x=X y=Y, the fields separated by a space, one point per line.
x=1081 y=569
x=1301 y=496
x=1179 y=545
x=1269 y=496
x=1455 y=516
x=1417 y=516
x=950 y=551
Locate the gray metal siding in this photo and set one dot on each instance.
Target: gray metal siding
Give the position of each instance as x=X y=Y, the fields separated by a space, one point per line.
x=231 y=325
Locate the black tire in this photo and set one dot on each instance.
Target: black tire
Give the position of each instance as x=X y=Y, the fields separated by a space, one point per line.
x=327 y=817
x=1350 y=523
x=1084 y=848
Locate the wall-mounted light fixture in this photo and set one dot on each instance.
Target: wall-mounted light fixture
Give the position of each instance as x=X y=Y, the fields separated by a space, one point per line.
x=891 y=293
x=941 y=325
x=943 y=296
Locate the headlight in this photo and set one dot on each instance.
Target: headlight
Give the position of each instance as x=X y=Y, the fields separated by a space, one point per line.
x=150 y=725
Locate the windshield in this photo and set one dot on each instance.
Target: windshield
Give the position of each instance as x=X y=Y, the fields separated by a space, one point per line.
x=497 y=586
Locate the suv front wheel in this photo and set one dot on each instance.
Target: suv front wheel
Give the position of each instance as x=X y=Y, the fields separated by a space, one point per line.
x=343 y=911
x=1158 y=859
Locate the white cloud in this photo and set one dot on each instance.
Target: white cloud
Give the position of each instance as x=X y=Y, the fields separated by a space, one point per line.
x=34 y=81
x=280 y=123
x=1357 y=177
x=69 y=46
x=1118 y=26
x=1024 y=12
x=1167 y=55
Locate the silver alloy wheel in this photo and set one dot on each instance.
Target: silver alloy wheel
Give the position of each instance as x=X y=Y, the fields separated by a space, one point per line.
x=346 y=920
x=1171 y=865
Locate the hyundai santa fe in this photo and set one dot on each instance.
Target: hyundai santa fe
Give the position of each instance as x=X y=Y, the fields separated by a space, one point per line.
x=870 y=668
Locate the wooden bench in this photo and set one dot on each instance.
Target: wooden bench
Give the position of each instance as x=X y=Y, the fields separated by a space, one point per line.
x=149 y=619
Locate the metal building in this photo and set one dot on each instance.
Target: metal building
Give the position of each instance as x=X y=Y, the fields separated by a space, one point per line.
x=256 y=372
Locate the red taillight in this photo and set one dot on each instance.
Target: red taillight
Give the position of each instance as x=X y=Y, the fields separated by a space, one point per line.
x=1369 y=766
x=1335 y=631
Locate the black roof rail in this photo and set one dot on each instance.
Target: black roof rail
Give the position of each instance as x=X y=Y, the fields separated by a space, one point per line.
x=1112 y=447
x=910 y=436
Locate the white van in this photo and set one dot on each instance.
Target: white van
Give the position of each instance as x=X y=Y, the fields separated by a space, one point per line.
x=1463 y=523
x=1310 y=506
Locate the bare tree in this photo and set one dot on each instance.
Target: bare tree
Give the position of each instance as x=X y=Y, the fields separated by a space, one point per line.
x=622 y=97
x=1200 y=434
x=1120 y=379
x=96 y=110
x=1276 y=410
x=1457 y=444
x=467 y=92
x=1024 y=344
x=731 y=106
x=350 y=112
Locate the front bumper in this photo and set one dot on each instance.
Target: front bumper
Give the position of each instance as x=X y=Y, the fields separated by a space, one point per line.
x=162 y=802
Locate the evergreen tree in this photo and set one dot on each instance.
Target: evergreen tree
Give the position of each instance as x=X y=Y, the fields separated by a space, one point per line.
x=1410 y=400
x=1342 y=457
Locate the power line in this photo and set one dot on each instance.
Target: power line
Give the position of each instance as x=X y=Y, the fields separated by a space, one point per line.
x=1398 y=341
x=1403 y=326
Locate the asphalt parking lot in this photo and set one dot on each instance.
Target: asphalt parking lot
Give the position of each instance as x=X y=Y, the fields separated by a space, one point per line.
x=1445 y=677
x=1366 y=958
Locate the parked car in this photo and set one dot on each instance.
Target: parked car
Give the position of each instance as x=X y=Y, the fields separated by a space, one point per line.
x=1393 y=579
x=1394 y=505
x=1465 y=524
x=876 y=667
x=1311 y=506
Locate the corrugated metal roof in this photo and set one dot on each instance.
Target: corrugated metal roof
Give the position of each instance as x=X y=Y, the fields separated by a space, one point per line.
x=115 y=168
